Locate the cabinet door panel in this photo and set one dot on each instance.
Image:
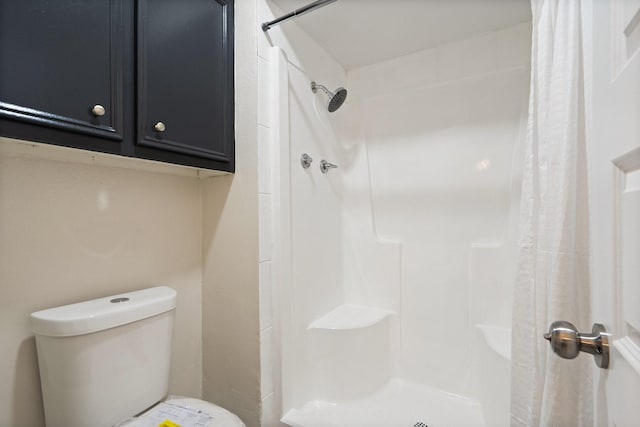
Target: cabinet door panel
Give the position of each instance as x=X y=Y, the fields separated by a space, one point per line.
x=58 y=59
x=185 y=77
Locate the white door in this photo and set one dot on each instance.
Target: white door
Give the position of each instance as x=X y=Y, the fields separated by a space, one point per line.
x=614 y=182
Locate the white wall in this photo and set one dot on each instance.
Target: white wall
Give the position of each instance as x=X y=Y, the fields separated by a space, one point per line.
x=72 y=231
x=441 y=130
x=426 y=146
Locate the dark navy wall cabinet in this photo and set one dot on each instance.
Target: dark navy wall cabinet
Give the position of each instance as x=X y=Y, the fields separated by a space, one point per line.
x=184 y=75
x=147 y=78
x=63 y=67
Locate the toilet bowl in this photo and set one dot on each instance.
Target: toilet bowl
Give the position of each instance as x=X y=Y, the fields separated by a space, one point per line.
x=106 y=362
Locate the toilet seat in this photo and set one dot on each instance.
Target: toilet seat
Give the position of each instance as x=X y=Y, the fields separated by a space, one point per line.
x=221 y=417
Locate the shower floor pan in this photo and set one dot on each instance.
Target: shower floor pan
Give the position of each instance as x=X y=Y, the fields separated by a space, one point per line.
x=399 y=403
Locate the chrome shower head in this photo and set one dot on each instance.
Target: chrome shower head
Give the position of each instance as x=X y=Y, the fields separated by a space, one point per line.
x=336 y=99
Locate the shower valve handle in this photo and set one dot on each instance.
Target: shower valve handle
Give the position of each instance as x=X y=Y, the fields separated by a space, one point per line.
x=305 y=161
x=567 y=342
x=325 y=166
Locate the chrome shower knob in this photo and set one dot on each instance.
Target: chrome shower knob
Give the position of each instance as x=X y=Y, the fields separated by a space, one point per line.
x=305 y=161
x=325 y=166
x=159 y=127
x=98 y=110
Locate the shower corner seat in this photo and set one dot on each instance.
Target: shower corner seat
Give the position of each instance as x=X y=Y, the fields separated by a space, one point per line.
x=351 y=316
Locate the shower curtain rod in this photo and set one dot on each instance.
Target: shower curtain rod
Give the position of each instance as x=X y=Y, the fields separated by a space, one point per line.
x=298 y=12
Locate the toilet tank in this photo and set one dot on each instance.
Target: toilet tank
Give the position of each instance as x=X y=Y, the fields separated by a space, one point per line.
x=104 y=360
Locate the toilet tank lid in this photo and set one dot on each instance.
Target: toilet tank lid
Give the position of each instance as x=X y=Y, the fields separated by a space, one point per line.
x=103 y=313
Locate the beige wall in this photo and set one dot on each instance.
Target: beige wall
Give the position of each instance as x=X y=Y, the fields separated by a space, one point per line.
x=76 y=225
x=71 y=231
x=231 y=345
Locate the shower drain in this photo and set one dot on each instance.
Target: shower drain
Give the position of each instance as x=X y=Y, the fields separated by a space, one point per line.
x=420 y=424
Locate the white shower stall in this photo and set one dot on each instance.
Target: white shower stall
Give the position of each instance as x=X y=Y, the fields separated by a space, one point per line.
x=393 y=273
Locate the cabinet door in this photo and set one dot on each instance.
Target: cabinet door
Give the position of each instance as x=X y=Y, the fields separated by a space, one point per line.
x=185 y=81
x=58 y=60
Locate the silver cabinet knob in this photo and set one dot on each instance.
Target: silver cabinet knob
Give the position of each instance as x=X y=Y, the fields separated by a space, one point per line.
x=98 y=110
x=160 y=127
x=567 y=342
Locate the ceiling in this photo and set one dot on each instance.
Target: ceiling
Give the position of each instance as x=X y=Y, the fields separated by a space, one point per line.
x=363 y=32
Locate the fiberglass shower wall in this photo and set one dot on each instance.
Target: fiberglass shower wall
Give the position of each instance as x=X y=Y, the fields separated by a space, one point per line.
x=442 y=128
x=384 y=266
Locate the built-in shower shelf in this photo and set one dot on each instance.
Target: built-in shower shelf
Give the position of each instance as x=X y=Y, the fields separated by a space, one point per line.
x=498 y=338
x=351 y=316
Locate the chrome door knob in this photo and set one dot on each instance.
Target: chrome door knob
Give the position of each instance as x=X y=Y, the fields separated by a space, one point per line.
x=567 y=342
x=159 y=127
x=98 y=110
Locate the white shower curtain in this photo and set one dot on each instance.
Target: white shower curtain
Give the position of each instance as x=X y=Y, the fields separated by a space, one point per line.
x=553 y=270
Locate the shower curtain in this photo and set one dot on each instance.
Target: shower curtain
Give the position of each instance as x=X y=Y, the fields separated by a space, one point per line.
x=553 y=264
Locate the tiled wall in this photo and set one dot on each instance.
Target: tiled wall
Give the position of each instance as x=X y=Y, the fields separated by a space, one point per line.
x=269 y=363
x=269 y=371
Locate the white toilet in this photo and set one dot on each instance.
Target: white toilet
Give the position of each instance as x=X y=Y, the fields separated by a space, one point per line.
x=105 y=361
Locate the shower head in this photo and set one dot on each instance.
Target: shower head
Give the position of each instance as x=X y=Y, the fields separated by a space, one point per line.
x=335 y=98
